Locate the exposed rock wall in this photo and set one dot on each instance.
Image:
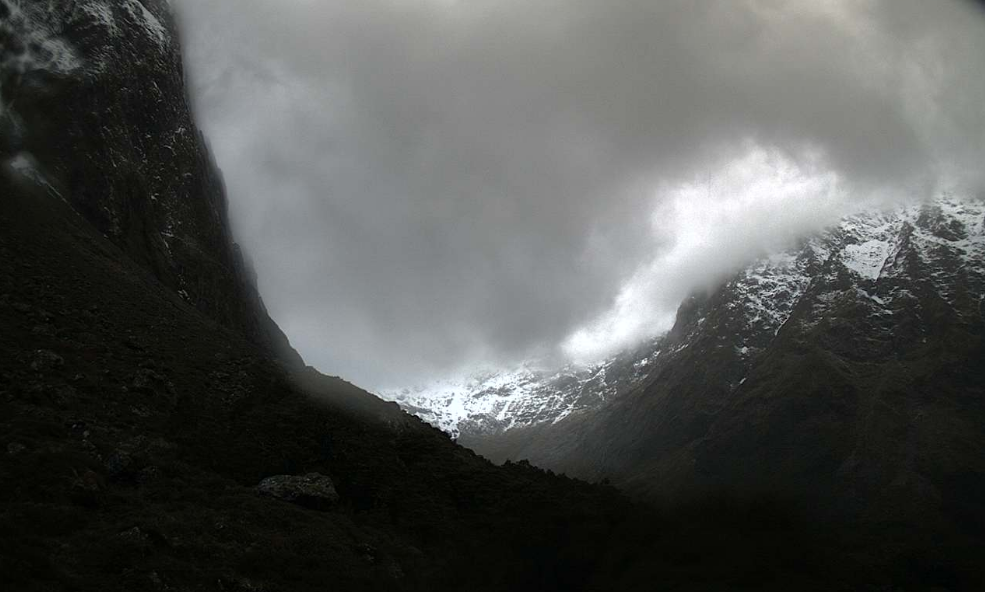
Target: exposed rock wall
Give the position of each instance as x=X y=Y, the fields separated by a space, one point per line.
x=93 y=107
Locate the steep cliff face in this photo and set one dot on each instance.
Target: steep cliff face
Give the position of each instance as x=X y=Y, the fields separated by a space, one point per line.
x=93 y=108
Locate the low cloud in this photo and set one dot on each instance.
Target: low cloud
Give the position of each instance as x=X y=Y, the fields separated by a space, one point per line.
x=430 y=184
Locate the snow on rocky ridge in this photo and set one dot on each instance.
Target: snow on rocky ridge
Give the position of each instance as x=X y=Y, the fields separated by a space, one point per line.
x=498 y=401
x=946 y=237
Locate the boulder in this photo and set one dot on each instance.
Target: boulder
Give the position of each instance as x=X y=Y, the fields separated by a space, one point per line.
x=313 y=490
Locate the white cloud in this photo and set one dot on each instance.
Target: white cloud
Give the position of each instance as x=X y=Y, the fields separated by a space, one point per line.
x=426 y=185
x=758 y=204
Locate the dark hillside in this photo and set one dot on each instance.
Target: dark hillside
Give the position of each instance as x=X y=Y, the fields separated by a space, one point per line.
x=144 y=394
x=135 y=431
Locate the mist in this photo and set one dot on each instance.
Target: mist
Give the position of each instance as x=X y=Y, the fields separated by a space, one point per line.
x=428 y=185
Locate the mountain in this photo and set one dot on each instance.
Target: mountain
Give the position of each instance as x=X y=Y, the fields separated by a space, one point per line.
x=492 y=402
x=846 y=371
x=157 y=432
x=486 y=404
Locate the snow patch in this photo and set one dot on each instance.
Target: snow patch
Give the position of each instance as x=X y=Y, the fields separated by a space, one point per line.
x=866 y=259
x=767 y=291
x=24 y=165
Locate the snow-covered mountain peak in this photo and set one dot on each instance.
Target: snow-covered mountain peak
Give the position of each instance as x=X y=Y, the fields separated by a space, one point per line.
x=871 y=261
x=501 y=400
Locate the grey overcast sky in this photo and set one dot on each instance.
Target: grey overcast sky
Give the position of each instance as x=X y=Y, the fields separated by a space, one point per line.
x=429 y=184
